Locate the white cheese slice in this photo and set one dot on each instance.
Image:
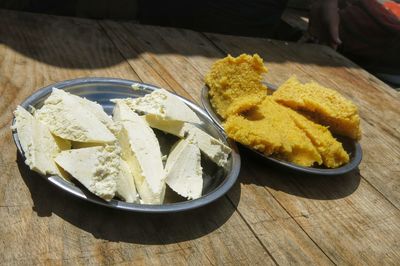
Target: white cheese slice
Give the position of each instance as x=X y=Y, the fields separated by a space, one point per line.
x=183 y=169
x=98 y=111
x=125 y=184
x=164 y=104
x=141 y=150
x=67 y=118
x=210 y=146
x=39 y=145
x=126 y=189
x=174 y=127
x=96 y=168
x=80 y=145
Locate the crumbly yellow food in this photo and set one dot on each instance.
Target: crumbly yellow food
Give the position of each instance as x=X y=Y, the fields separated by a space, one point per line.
x=323 y=105
x=275 y=129
x=236 y=80
x=258 y=121
x=269 y=128
x=332 y=153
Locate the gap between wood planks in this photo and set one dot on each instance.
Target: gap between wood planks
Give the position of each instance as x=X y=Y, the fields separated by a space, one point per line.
x=365 y=179
x=268 y=191
x=226 y=196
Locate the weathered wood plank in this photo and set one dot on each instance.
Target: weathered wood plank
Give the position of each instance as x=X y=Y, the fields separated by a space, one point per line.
x=40 y=224
x=68 y=230
x=282 y=236
x=153 y=49
x=284 y=217
x=343 y=207
x=380 y=122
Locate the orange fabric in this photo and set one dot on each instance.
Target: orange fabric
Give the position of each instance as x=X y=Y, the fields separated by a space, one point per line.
x=370 y=33
x=393 y=7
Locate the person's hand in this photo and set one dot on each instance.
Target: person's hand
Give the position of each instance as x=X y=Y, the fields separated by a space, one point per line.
x=324 y=23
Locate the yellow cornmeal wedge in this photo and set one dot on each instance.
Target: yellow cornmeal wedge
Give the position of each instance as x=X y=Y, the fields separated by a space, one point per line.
x=273 y=128
x=269 y=125
x=269 y=128
x=323 y=105
x=332 y=153
x=235 y=78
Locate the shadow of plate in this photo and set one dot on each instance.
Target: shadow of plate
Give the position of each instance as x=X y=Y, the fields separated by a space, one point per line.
x=268 y=174
x=121 y=226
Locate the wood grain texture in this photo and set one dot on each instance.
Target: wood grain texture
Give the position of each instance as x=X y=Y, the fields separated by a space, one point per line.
x=283 y=237
x=342 y=206
x=164 y=52
x=299 y=219
x=271 y=216
x=279 y=225
x=380 y=122
x=43 y=225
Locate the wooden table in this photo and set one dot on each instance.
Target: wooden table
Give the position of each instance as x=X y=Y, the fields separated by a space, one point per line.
x=270 y=216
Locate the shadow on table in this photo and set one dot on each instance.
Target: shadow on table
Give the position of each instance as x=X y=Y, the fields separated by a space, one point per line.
x=119 y=226
x=298 y=184
x=88 y=44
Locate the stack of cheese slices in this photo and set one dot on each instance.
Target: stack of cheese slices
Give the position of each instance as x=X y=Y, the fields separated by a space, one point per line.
x=119 y=156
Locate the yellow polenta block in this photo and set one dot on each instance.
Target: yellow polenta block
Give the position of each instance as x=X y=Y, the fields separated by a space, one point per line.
x=332 y=153
x=236 y=80
x=268 y=128
x=323 y=105
x=264 y=122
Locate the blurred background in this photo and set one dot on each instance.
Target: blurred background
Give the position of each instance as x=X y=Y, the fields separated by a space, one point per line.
x=286 y=20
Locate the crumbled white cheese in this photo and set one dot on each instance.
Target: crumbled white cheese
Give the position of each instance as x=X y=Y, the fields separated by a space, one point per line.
x=121 y=155
x=39 y=145
x=125 y=184
x=184 y=171
x=141 y=150
x=67 y=118
x=98 y=111
x=164 y=104
x=210 y=146
x=174 y=127
x=135 y=87
x=97 y=168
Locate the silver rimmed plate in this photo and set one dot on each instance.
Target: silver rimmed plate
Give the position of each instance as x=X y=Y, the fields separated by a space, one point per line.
x=352 y=147
x=216 y=180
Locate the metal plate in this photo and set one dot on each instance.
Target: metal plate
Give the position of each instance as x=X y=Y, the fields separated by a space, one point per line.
x=352 y=147
x=216 y=181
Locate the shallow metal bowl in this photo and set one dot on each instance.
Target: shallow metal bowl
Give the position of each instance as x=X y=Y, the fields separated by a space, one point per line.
x=216 y=180
x=352 y=147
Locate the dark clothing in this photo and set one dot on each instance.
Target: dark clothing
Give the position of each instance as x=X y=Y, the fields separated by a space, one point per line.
x=370 y=35
x=259 y=18
x=370 y=32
